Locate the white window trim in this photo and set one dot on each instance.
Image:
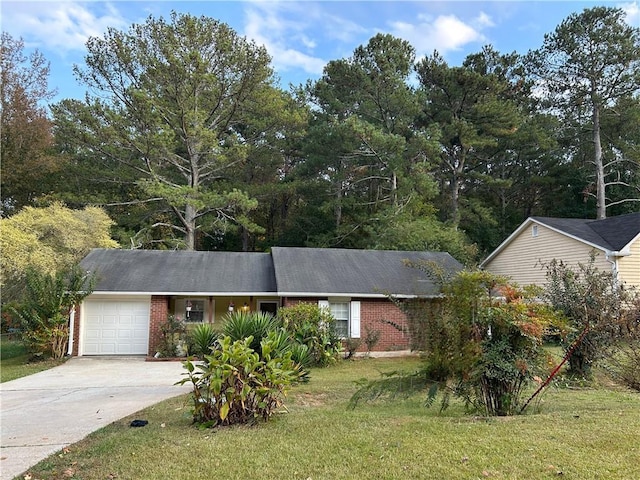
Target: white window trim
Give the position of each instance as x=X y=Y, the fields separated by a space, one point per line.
x=353 y=322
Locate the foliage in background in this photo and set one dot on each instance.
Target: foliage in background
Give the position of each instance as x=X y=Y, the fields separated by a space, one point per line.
x=587 y=64
x=593 y=301
x=48 y=239
x=314 y=327
x=362 y=157
x=26 y=139
x=483 y=344
x=235 y=384
x=43 y=315
x=180 y=102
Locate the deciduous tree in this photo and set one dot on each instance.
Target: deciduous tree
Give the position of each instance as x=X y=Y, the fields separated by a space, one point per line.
x=48 y=240
x=25 y=131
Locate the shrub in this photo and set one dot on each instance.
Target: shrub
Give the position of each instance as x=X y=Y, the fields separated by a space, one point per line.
x=241 y=325
x=596 y=306
x=43 y=314
x=371 y=337
x=486 y=345
x=351 y=346
x=314 y=327
x=201 y=339
x=261 y=326
x=622 y=359
x=235 y=384
x=172 y=337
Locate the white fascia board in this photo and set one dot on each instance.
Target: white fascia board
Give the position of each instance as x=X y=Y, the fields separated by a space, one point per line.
x=259 y=294
x=350 y=295
x=626 y=250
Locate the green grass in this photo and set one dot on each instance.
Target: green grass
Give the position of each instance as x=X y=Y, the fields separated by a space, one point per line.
x=14 y=361
x=576 y=433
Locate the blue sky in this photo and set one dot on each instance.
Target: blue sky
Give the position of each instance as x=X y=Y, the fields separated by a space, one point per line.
x=301 y=36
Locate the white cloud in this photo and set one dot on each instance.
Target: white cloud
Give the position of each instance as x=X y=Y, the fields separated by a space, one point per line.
x=272 y=25
x=632 y=11
x=444 y=33
x=484 y=20
x=59 y=26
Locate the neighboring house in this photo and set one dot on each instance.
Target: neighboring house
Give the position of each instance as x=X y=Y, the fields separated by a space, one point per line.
x=138 y=289
x=615 y=241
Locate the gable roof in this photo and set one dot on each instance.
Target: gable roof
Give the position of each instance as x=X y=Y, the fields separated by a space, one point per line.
x=287 y=271
x=166 y=272
x=613 y=234
x=335 y=271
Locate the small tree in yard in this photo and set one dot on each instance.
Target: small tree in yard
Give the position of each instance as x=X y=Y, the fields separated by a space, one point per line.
x=43 y=315
x=596 y=306
x=601 y=311
x=483 y=344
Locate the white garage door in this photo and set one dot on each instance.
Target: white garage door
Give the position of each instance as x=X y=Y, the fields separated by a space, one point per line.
x=115 y=327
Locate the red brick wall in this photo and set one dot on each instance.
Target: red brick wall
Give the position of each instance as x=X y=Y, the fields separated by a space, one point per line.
x=375 y=313
x=382 y=315
x=158 y=316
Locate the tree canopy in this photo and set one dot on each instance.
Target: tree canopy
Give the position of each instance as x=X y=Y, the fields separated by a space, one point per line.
x=48 y=240
x=26 y=156
x=187 y=141
x=588 y=64
x=174 y=103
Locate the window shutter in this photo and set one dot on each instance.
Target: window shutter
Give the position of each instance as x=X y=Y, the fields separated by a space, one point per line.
x=355 y=320
x=323 y=304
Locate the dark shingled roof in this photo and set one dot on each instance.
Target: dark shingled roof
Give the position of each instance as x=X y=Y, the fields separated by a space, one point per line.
x=287 y=271
x=158 y=271
x=612 y=233
x=327 y=271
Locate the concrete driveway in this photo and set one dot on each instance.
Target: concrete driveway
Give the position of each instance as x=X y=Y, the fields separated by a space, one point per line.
x=43 y=413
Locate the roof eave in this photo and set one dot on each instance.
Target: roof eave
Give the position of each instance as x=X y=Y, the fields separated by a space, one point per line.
x=354 y=294
x=193 y=294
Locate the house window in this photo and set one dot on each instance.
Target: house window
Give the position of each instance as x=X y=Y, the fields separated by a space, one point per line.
x=347 y=315
x=340 y=312
x=194 y=310
x=268 y=306
x=534 y=230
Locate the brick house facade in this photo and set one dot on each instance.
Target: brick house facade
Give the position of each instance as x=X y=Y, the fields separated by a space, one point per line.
x=137 y=290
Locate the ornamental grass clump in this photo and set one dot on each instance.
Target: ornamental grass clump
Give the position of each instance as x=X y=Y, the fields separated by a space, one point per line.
x=237 y=385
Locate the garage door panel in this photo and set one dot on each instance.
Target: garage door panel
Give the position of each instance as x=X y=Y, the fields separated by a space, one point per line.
x=116 y=327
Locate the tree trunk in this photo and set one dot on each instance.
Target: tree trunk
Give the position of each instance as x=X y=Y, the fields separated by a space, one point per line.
x=455 y=201
x=597 y=160
x=338 y=206
x=190 y=227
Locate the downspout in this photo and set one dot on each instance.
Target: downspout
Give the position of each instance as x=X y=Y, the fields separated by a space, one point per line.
x=609 y=255
x=72 y=321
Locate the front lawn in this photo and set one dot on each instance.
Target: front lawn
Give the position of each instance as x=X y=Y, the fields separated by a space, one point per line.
x=578 y=433
x=14 y=361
